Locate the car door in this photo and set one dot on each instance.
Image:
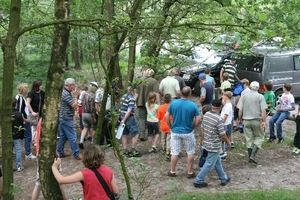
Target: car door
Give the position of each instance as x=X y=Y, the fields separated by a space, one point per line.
x=296 y=74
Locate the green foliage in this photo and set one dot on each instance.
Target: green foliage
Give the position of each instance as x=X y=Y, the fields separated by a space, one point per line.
x=245 y=195
x=14 y=189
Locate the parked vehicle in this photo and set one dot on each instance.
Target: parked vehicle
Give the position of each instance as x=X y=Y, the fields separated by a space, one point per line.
x=280 y=67
x=214 y=62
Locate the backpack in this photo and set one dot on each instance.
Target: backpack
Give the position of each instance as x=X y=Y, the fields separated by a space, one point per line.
x=238 y=88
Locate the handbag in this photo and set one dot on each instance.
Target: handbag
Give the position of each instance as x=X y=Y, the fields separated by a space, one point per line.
x=203 y=157
x=33 y=119
x=109 y=193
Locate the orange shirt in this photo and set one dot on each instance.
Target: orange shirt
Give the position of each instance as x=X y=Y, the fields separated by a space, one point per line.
x=161 y=116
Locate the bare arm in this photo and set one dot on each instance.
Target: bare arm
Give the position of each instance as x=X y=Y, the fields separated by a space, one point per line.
x=264 y=115
x=221 y=75
x=68 y=179
x=167 y=118
x=158 y=98
x=225 y=139
x=29 y=107
x=202 y=136
x=237 y=78
x=225 y=117
x=197 y=121
x=126 y=115
x=114 y=185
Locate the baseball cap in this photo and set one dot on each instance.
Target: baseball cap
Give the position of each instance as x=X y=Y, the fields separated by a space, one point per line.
x=216 y=103
x=254 y=85
x=232 y=57
x=94 y=84
x=202 y=76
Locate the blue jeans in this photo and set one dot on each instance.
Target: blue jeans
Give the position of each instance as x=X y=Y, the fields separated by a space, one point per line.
x=66 y=131
x=27 y=138
x=277 y=119
x=18 y=151
x=212 y=160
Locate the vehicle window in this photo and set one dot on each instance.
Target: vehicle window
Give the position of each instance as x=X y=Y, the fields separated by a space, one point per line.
x=297 y=62
x=250 y=63
x=212 y=60
x=277 y=63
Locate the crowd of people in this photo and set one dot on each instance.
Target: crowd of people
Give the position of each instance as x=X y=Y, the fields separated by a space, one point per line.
x=162 y=110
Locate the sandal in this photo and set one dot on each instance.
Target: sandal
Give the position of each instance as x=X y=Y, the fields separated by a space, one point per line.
x=171 y=174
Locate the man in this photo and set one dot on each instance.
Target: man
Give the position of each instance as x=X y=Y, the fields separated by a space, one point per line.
x=127 y=117
x=252 y=110
x=170 y=85
x=230 y=68
x=207 y=90
x=179 y=78
x=106 y=126
x=89 y=118
x=148 y=85
x=186 y=118
x=66 y=126
x=213 y=133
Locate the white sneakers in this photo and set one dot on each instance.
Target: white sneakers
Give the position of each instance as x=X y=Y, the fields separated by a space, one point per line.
x=30 y=157
x=19 y=169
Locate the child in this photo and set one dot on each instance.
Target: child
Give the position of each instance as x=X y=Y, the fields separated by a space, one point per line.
x=152 y=122
x=286 y=104
x=227 y=115
x=296 y=149
x=93 y=158
x=269 y=96
x=18 y=134
x=164 y=126
x=226 y=84
x=38 y=188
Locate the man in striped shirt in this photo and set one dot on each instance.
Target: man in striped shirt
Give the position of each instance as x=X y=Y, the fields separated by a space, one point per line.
x=230 y=68
x=213 y=133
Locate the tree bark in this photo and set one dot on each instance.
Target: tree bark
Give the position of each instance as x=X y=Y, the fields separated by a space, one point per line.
x=54 y=86
x=9 y=57
x=76 y=54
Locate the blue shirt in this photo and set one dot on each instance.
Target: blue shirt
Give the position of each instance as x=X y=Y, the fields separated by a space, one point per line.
x=183 y=112
x=127 y=101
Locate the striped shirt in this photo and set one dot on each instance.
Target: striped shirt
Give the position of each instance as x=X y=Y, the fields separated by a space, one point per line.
x=213 y=130
x=231 y=70
x=127 y=102
x=66 y=111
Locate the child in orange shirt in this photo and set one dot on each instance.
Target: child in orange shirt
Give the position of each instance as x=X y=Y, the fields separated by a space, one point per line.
x=164 y=126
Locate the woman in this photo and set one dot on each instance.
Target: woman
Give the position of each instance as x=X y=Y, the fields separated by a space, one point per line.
x=93 y=158
x=35 y=101
x=23 y=108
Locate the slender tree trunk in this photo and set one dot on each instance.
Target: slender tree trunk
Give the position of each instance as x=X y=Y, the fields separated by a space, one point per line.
x=9 y=57
x=54 y=86
x=76 y=54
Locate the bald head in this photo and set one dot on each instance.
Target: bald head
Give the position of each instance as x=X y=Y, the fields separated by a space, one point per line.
x=186 y=91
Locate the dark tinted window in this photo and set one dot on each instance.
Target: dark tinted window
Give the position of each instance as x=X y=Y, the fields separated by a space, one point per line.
x=297 y=62
x=278 y=63
x=250 y=63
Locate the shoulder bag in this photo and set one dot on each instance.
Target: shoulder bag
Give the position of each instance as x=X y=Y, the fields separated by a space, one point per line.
x=109 y=193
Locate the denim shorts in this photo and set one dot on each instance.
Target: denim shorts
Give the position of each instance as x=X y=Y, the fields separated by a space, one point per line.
x=131 y=126
x=228 y=129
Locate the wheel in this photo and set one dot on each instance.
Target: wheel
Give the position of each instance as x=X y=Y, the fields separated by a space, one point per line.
x=197 y=88
x=278 y=94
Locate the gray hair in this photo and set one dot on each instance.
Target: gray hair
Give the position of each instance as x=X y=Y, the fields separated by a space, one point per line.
x=69 y=81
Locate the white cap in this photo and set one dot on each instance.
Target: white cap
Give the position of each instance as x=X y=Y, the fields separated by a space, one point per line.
x=254 y=85
x=94 y=84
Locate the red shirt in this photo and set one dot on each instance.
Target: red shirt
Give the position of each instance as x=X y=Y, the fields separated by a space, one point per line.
x=92 y=188
x=161 y=116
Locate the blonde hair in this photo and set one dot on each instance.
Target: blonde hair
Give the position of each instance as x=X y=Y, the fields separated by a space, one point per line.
x=151 y=99
x=22 y=87
x=228 y=94
x=225 y=76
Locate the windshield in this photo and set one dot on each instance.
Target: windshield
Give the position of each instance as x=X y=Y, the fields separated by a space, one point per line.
x=212 y=60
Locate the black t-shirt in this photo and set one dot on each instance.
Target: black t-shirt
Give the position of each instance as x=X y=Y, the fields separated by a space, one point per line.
x=17 y=125
x=37 y=101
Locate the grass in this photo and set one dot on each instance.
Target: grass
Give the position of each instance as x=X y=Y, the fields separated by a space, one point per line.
x=280 y=194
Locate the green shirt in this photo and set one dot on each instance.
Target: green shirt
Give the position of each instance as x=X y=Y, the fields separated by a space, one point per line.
x=270 y=98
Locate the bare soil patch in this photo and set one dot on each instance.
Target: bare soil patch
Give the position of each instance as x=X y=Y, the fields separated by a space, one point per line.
x=278 y=168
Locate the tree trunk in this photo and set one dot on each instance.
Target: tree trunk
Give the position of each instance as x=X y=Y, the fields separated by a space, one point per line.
x=54 y=86
x=9 y=57
x=76 y=54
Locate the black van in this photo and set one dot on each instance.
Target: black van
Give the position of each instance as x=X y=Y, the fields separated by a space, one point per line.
x=278 y=67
